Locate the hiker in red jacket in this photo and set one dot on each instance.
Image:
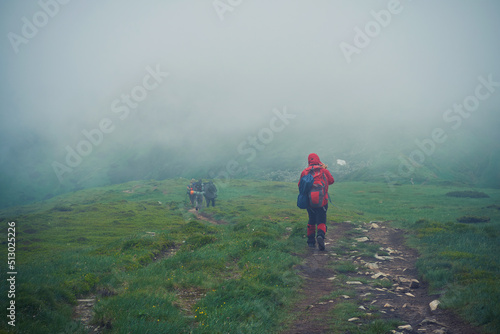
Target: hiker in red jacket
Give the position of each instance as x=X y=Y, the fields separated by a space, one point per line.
x=317 y=215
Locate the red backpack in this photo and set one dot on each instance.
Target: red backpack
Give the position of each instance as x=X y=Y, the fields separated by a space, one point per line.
x=319 y=188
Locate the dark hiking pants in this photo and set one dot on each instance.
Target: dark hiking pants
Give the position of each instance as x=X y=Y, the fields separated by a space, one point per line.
x=317 y=217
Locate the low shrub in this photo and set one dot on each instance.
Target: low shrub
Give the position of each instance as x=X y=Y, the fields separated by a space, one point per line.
x=467 y=193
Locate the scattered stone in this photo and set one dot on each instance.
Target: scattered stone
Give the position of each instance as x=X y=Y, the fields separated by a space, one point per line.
x=439 y=331
x=391 y=251
x=363 y=239
x=434 y=304
x=322 y=303
x=331 y=278
x=383 y=258
x=353 y=282
x=371 y=266
x=405 y=327
x=427 y=321
x=388 y=305
x=374 y=225
x=414 y=284
x=410 y=295
x=375 y=222
x=402 y=279
x=353 y=319
x=345 y=296
x=362 y=308
x=379 y=274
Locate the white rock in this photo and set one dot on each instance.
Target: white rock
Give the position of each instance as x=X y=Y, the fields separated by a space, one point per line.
x=371 y=266
x=434 y=304
x=353 y=282
x=353 y=319
x=407 y=327
x=363 y=239
x=377 y=275
x=383 y=258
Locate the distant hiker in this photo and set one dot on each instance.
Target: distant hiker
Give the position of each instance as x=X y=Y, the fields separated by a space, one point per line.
x=190 y=191
x=318 y=200
x=210 y=191
x=198 y=194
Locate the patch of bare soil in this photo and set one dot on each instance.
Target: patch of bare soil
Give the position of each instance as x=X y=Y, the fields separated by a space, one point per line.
x=311 y=313
x=205 y=217
x=386 y=284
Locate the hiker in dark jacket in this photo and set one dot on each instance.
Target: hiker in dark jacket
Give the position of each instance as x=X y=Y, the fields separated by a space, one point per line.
x=198 y=194
x=317 y=216
x=210 y=193
x=190 y=191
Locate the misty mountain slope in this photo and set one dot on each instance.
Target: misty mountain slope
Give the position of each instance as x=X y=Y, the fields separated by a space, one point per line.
x=467 y=157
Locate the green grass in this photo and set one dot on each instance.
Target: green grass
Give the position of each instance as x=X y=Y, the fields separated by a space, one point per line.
x=154 y=267
x=461 y=261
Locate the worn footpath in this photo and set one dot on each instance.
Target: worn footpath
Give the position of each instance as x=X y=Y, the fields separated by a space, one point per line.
x=367 y=267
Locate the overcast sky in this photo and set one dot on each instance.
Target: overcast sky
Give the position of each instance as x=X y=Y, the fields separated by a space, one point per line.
x=225 y=65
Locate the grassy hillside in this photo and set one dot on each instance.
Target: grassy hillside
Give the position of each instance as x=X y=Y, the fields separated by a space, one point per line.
x=152 y=265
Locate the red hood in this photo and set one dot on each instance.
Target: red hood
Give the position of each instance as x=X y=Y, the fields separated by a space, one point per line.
x=313 y=159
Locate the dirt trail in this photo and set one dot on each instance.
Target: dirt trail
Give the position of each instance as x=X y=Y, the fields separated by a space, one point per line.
x=386 y=284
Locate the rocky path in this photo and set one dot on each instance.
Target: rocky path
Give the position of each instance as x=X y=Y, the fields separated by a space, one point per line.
x=369 y=268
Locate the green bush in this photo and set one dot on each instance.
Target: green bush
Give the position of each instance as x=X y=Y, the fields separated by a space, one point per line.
x=470 y=194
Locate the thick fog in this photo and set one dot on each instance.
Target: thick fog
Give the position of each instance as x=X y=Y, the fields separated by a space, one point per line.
x=85 y=82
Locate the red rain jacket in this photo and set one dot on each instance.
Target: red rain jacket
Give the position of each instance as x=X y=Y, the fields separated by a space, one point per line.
x=313 y=159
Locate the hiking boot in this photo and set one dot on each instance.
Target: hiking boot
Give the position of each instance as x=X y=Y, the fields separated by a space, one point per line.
x=321 y=243
x=311 y=244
